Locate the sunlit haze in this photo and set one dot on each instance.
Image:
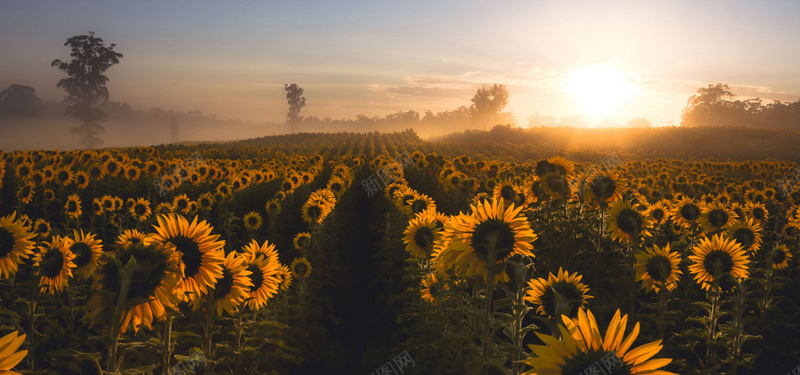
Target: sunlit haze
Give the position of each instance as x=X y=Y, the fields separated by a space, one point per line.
x=606 y=60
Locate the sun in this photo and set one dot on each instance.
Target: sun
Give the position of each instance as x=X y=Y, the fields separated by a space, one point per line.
x=599 y=90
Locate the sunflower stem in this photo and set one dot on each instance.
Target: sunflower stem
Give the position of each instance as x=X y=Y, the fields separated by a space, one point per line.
x=487 y=306
x=166 y=343
x=209 y=324
x=662 y=309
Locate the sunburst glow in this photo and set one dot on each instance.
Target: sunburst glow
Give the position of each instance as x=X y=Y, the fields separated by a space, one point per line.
x=599 y=90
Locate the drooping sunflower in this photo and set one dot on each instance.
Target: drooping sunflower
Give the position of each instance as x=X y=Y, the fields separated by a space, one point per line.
x=558 y=295
x=421 y=235
x=155 y=280
x=42 y=228
x=626 y=223
x=54 y=264
x=657 y=268
x=9 y=356
x=233 y=287
x=491 y=234
x=87 y=249
x=15 y=244
x=286 y=277
x=780 y=257
x=747 y=234
x=685 y=213
x=582 y=349
x=200 y=252
x=301 y=268
x=716 y=217
x=140 y=209
x=266 y=273
x=714 y=258
x=131 y=237
x=252 y=220
x=302 y=241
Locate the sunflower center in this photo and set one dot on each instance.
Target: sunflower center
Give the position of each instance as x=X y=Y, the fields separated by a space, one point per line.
x=151 y=269
x=745 y=237
x=758 y=213
x=63 y=176
x=659 y=268
x=493 y=234
x=72 y=206
x=52 y=262
x=192 y=257
x=252 y=221
x=224 y=285
x=182 y=204
x=604 y=187
x=314 y=211
x=562 y=297
x=596 y=362
x=718 y=218
x=302 y=242
x=423 y=238
x=507 y=192
x=556 y=182
x=7 y=242
x=658 y=214
x=718 y=262
x=83 y=253
x=777 y=256
x=690 y=212
x=433 y=289
x=42 y=228
x=256 y=277
x=629 y=221
x=419 y=205
x=301 y=269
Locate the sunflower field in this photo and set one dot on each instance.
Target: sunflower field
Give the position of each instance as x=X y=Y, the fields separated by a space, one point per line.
x=384 y=254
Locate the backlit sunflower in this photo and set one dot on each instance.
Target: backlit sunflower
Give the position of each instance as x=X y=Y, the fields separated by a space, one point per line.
x=746 y=233
x=302 y=241
x=657 y=268
x=73 y=207
x=87 y=249
x=266 y=273
x=780 y=257
x=685 y=213
x=200 y=252
x=234 y=285
x=716 y=217
x=42 y=228
x=491 y=234
x=301 y=268
x=626 y=223
x=603 y=188
x=140 y=209
x=131 y=237
x=714 y=258
x=9 y=356
x=430 y=287
x=54 y=264
x=583 y=350
x=558 y=295
x=155 y=280
x=15 y=244
x=421 y=235
x=252 y=220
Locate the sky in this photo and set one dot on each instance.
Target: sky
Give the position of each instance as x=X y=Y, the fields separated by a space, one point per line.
x=231 y=59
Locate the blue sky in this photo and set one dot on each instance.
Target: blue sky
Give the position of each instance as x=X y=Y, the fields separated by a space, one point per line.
x=376 y=57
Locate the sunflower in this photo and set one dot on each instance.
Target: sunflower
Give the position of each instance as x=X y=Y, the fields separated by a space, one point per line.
x=430 y=287
x=182 y=204
x=625 y=223
x=140 y=209
x=747 y=234
x=81 y=179
x=131 y=237
x=49 y=195
x=302 y=241
x=658 y=213
x=25 y=193
x=685 y=213
x=87 y=250
x=273 y=206
x=420 y=203
x=54 y=264
x=286 y=277
x=491 y=234
x=421 y=235
x=562 y=167
x=603 y=188
x=200 y=252
x=164 y=208
x=205 y=201
x=252 y=221
x=15 y=244
x=301 y=268
x=657 y=268
x=266 y=274
x=582 y=349
x=715 y=257
x=314 y=212
x=64 y=177
x=233 y=287
x=154 y=281
x=73 y=207
x=42 y=228
x=780 y=257
x=9 y=356
x=97 y=206
x=508 y=191
x=757 y=211
x=558 y=295
x=716 y=217
x=107 y=203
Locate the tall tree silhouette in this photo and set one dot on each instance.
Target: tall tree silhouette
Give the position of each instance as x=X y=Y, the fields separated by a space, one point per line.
x=487 y=104
x=86 y=84
x=296 y=101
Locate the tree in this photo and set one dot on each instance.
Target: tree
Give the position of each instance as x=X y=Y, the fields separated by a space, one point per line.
x=296 y=101
x=487 y=104
x=708 y=107
x=638 y=122
x=86 y=84
x=19 y=100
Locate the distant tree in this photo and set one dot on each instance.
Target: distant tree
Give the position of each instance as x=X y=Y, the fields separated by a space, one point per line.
x=19 y=100
x=536 y=121
x=638 y=122
x=86 y=85
x=709 y=107
x=296 y=101
x=487 y=104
